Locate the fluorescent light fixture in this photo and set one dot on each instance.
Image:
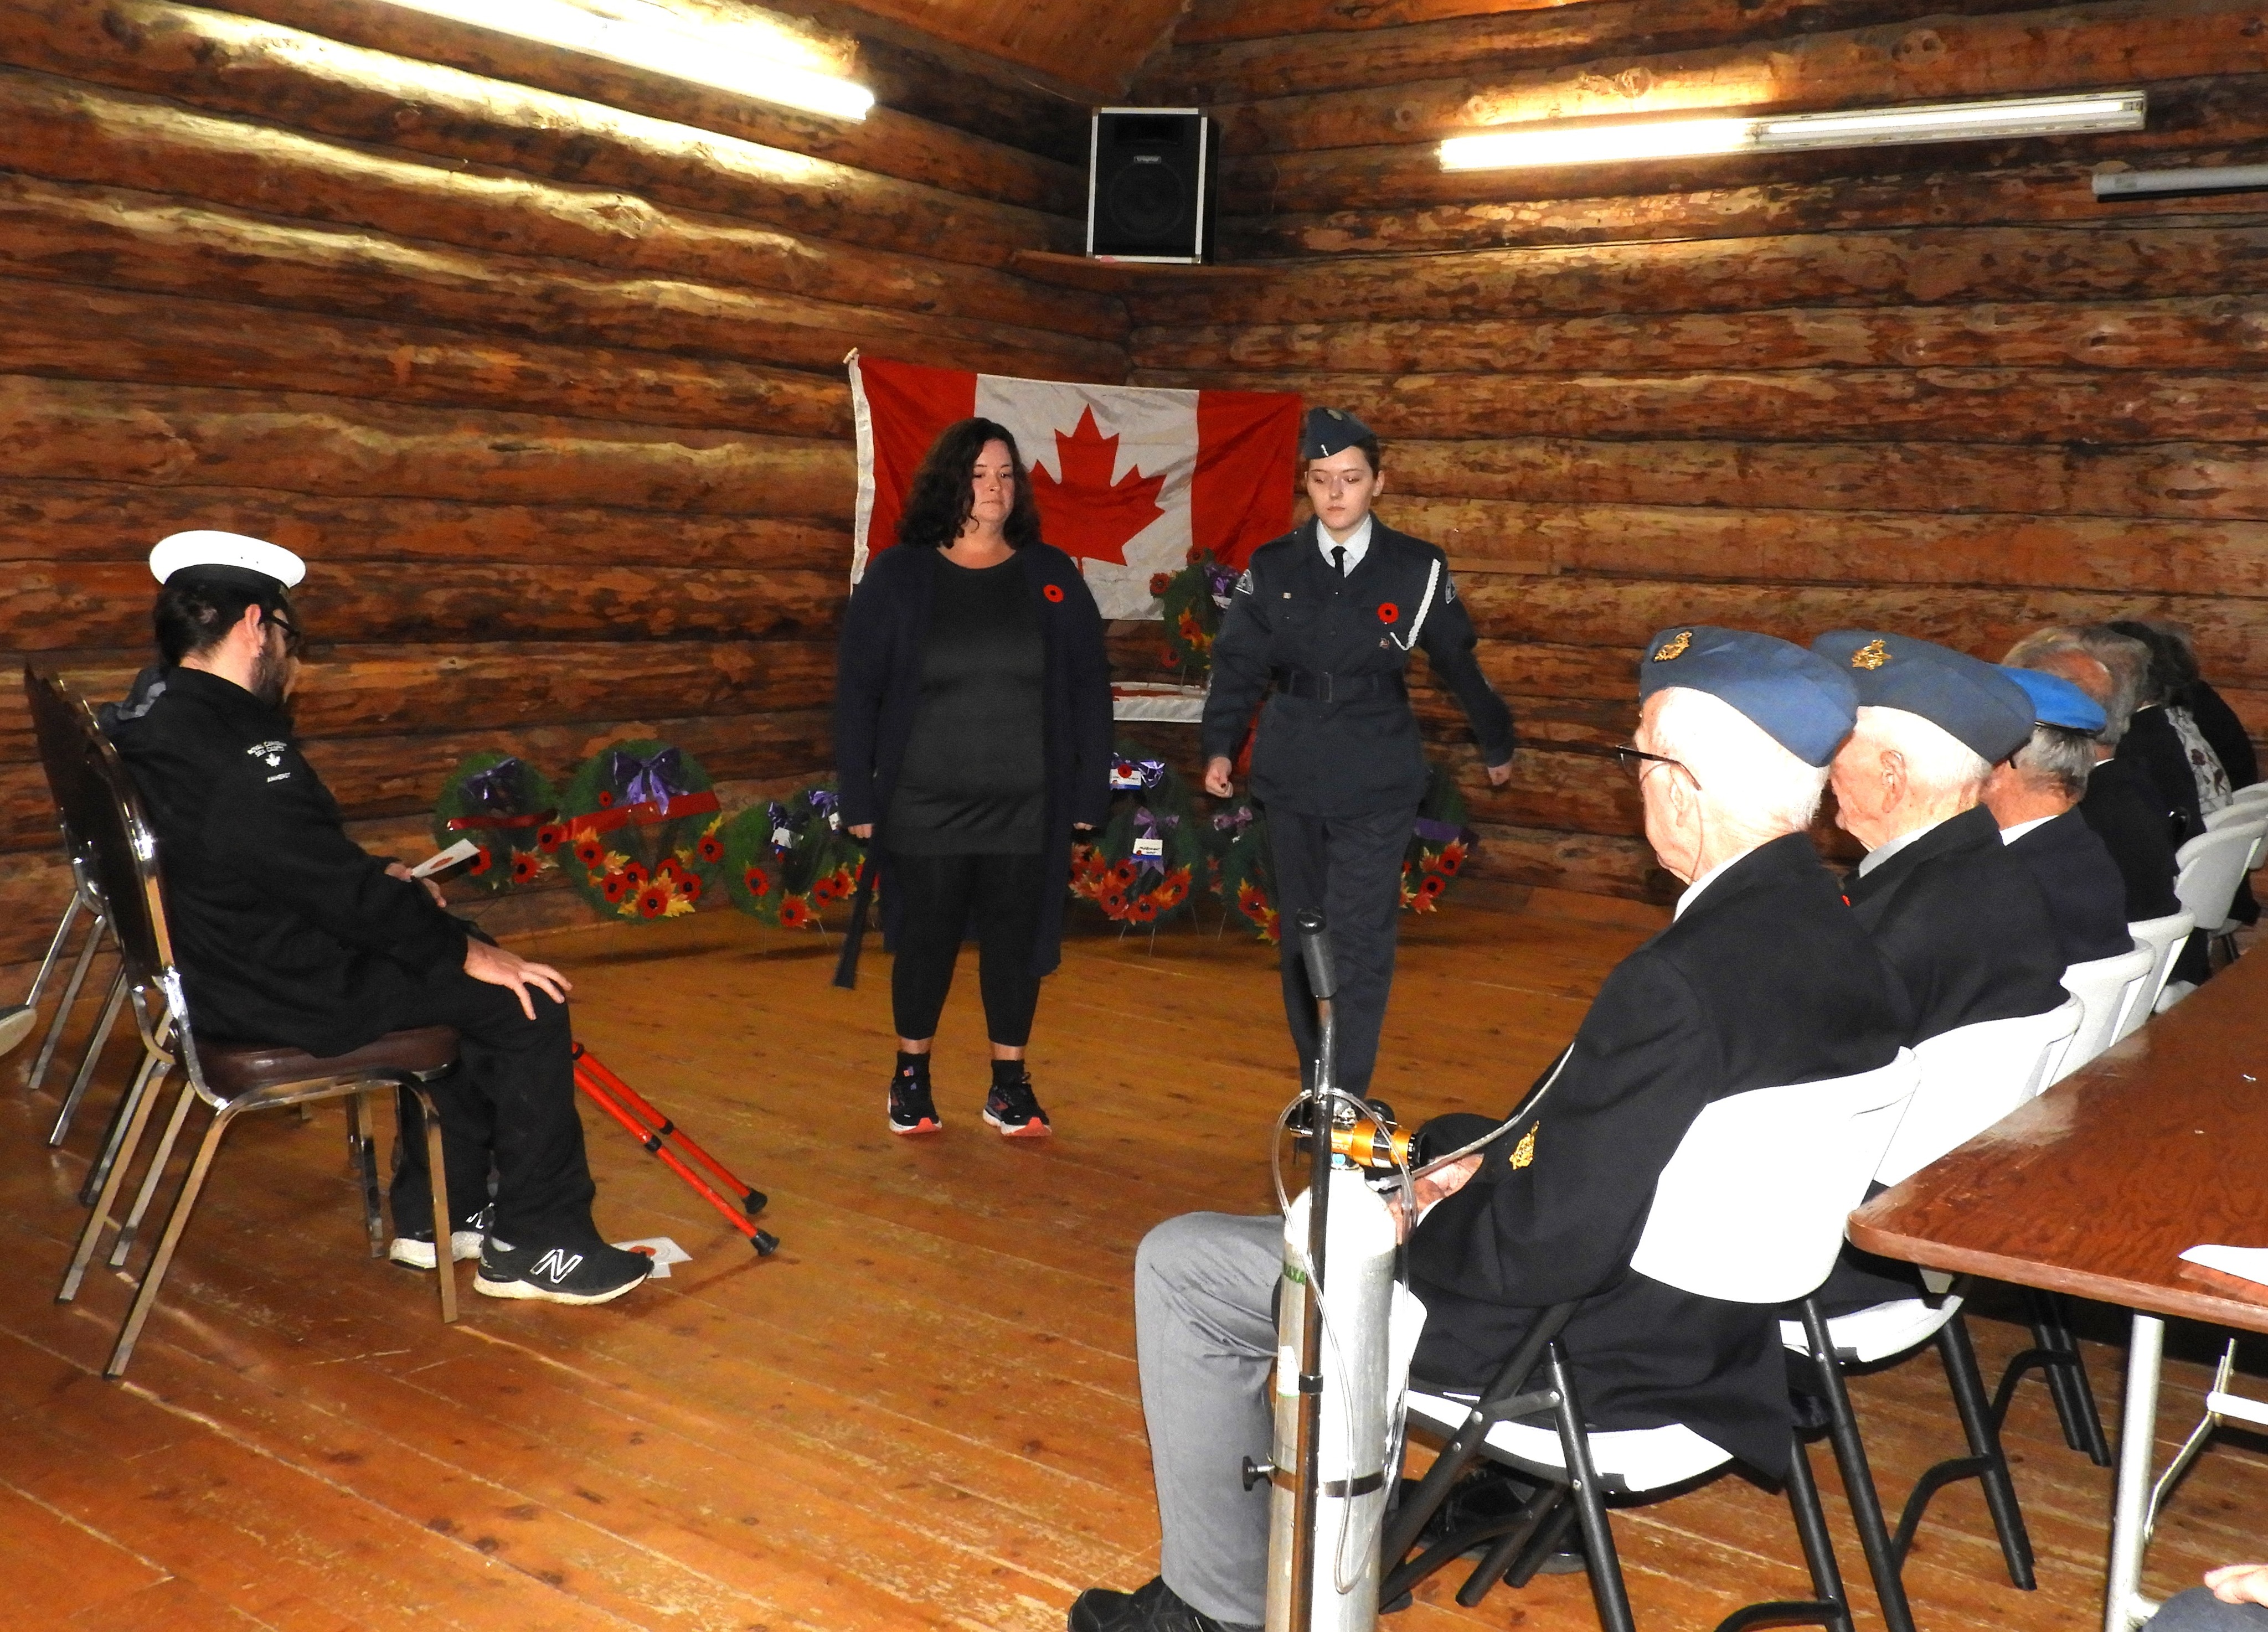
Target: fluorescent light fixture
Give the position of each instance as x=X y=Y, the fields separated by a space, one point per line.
x=2202 y=179
x=1569 y=142
x=640 y=34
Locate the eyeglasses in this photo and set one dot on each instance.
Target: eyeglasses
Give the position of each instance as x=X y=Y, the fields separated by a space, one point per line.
x=292 y=639
x=1634 y=761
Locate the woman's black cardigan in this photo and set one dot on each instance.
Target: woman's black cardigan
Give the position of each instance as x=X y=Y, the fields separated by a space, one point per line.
x=878 y=687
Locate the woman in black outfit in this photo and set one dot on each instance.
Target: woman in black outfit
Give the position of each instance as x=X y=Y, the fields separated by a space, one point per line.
x=972 y=734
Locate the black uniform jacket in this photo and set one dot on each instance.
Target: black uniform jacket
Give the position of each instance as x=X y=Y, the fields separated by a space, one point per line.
x=2137 y=827
x=2224 y=731
x=2084 y=892
x=878 y=690
x=1964 y=924
x=1291 y=613
x=285 y=929
x=1766 y=980
x=2152 y=742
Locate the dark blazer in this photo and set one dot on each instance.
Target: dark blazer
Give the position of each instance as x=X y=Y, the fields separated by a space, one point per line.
x=286 y=930
x=2152 y=744
x=1962 y=924
x=2136 y=826
x=1359 y=755
x=1766 y=980
x=878 y=689
x=2084 y=892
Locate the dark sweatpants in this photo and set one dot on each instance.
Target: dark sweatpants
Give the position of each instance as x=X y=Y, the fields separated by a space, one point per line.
x=510 y=1101
x=1351 y=869
x=942 y=895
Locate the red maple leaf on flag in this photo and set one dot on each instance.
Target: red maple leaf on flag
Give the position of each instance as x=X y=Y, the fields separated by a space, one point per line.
x=1086 y=515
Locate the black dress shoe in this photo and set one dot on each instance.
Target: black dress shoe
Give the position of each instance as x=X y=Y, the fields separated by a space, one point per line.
x=1151 y=1607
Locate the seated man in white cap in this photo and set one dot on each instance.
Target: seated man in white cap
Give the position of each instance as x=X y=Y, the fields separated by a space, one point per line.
x=287 y=932
x=1764 y=979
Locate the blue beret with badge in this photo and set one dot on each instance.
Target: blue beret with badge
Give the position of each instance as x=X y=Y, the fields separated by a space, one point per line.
x=1973 y=702
x=1797 y=698
x=1329 y=430
x=2057 y=702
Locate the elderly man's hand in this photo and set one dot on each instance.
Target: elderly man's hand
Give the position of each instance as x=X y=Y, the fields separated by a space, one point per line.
x=499 y=968
x=2238 y=1584
x=1437 y=1186
x=399 y=870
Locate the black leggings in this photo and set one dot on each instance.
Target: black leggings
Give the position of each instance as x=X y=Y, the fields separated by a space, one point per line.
x=941 y=895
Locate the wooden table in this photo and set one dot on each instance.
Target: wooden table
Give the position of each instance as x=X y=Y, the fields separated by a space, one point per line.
x=2097 y=1187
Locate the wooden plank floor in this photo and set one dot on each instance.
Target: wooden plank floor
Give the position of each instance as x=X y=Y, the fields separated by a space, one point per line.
x=922 y=1413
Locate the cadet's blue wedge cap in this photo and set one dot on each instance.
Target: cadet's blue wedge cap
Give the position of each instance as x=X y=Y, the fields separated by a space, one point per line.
x=1329 y=430
x=2057 y=702
x=1797 y=698
x=1973 y=702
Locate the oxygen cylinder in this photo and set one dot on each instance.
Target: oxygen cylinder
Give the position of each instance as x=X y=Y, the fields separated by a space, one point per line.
x=1357 y=1409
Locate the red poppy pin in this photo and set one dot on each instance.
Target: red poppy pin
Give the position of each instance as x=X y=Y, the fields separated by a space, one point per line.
x=1053 y=591
x=1388 y=613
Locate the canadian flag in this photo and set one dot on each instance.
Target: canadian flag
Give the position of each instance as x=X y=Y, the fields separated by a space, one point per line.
x=1130 y=480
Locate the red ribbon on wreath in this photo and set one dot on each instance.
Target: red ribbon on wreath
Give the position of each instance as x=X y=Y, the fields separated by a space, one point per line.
x=643 y=813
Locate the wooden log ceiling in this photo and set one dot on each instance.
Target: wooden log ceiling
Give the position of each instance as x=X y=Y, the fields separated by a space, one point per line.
x=1939 y=389
x=538 y=358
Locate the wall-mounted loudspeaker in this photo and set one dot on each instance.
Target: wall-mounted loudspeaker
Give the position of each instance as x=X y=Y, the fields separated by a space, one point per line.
x=1150 y=183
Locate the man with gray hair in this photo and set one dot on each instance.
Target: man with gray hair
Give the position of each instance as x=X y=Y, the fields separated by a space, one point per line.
x=2034 y=794
x=1763 y=979
x=1959 y=918
x=2120 y=802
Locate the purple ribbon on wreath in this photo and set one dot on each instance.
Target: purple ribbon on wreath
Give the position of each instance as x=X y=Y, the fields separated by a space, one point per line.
x=494 y=790
x=1149 y=825
x=825 y=804
x=656 y=781
x=1220 y=583
x=1440 y=832
x=1131 y=775
x=1234 y=822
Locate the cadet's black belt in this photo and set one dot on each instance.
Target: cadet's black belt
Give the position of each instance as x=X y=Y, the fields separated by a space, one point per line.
x=1336 y=687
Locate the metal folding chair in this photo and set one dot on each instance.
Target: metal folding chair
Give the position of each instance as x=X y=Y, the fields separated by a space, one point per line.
x=230 y=1079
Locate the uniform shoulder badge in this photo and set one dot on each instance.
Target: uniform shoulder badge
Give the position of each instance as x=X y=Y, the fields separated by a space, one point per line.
x=1872 y=655
x=1524 y=1152
x=1448 y=588
x=1243 y=583
x=272 y=752
x=1674 y=648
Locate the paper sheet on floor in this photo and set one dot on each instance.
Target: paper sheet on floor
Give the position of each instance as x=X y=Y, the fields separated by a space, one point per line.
x=2248 y=1263
x=662 y=1250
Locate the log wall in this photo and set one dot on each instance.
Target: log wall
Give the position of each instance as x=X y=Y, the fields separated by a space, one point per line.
x=537 y=360
x=1937 y=389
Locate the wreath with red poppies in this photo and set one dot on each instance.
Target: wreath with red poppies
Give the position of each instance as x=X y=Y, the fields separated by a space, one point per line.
x=639 y=830
x=1149 y=861
x=507 y=807
x=787 y=862
x=1440 y=843
x=1191 y=601
x=1245 y=869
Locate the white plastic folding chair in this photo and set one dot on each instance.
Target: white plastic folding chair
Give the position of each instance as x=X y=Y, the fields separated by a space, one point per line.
x=2106 y=988
x=1750 y=1210
x=2165 y=937
x=2231 y=814
x=2252 y=793
x=2210 y=867
x=1971 y=1077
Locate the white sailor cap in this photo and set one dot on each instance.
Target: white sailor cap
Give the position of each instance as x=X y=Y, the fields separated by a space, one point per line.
x=226 y=555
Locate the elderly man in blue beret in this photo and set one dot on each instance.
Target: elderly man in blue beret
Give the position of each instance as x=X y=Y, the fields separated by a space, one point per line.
x=1959 y=918
x=2034 y=794
x=1764 y=978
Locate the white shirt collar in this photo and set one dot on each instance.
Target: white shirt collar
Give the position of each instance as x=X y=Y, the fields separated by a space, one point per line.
x=1888 y=848
x=1693 y=890
x=1356 y=547
x=2009 y=836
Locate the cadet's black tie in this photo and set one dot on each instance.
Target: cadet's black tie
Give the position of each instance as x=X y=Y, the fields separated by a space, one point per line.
x=1338 y=559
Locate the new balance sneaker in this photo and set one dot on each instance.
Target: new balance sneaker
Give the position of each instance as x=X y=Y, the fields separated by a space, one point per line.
x=413 y=1249
x=594 y=1274
x=1014 y=1109
x=1151 y=1607
x=912 y=1110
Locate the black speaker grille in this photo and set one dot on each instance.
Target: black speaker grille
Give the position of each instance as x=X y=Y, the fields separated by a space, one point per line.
x=1148 y=201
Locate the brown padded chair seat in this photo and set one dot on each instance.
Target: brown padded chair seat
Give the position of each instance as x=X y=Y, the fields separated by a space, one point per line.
x=233 y=1068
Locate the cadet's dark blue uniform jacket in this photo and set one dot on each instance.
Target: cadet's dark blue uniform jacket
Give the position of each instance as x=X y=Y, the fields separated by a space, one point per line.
x=1292 y=614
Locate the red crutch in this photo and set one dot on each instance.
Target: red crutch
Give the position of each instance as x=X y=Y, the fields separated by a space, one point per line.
x=649 y=1127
